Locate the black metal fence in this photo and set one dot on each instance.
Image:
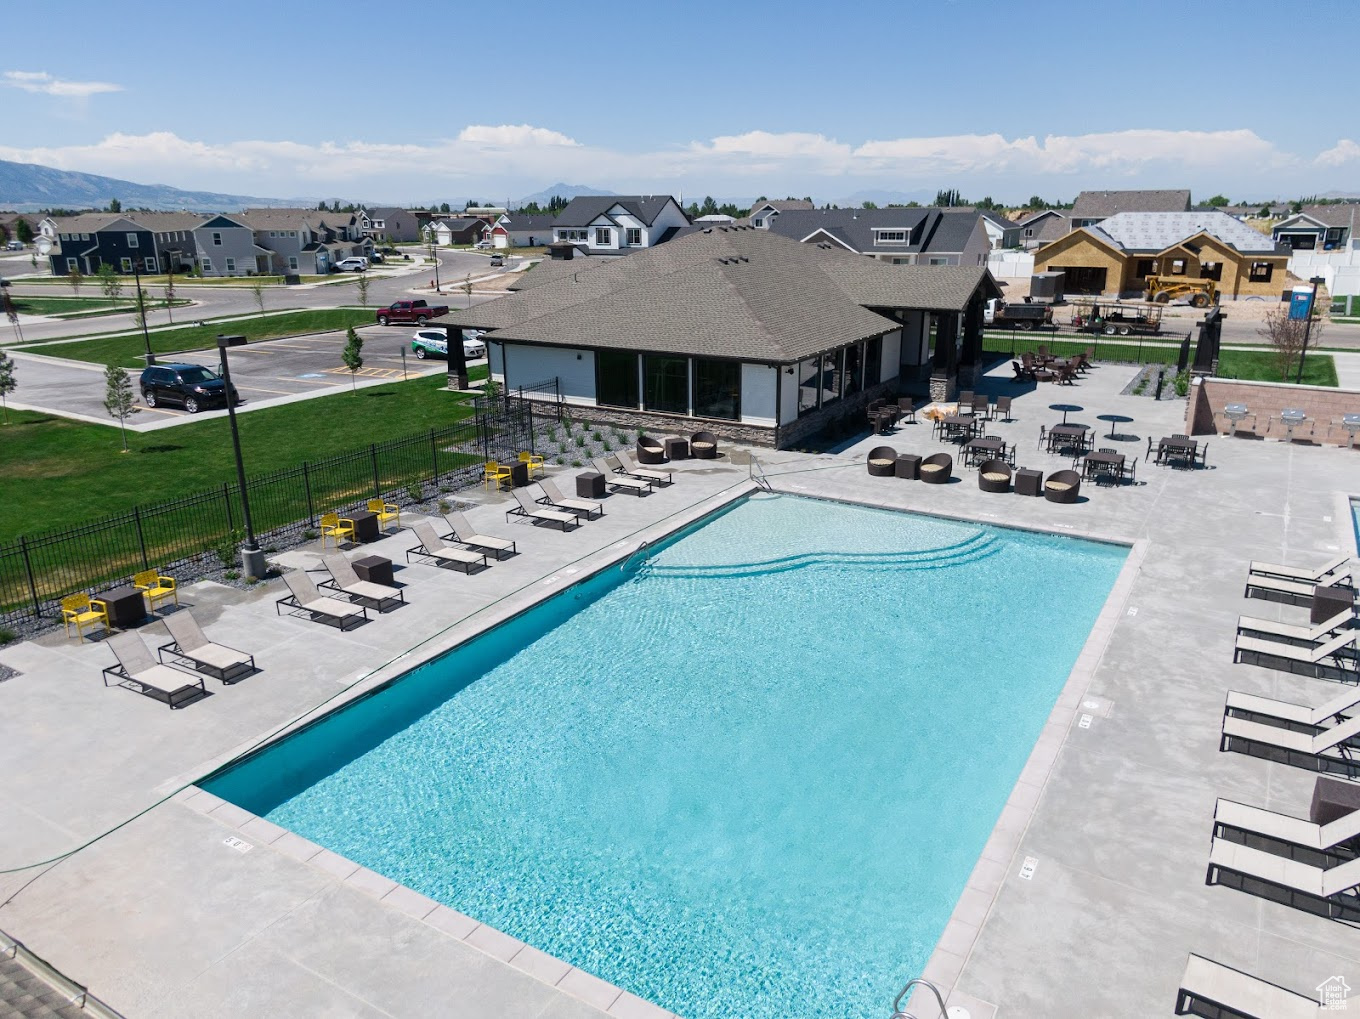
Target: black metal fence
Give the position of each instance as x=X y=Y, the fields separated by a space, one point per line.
x=202 y=532
x=1161 y=348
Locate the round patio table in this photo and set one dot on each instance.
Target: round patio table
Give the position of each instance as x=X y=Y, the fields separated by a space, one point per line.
x=1114 y=419
x=1066 y=408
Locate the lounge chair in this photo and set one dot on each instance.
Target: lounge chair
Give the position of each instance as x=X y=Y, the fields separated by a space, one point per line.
x=1256 y=708
x=633 y=469
x=304 y=597
x=1330 y=751
x=1323 y=845
x=1338 y=569
x=192 y=647
x=882 y=461
x=553 y=497
x=650 y=451
x=1336 y=654
x=1328 y=892
x=994 y=476
x=1295 y=631
x=1295 y=592
x=614 y=477
x=937 y=469
x=1062 y=486
x=461 y=531
x=703 y=446
x=538 y=514
x=347 y=582
x=1215 y=991
x=138 y=671
x=435 y=548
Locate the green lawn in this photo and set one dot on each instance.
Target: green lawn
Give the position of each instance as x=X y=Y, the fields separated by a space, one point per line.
x=1260 y=366
x=71 y=472
x=127 y=350
x=77 y=307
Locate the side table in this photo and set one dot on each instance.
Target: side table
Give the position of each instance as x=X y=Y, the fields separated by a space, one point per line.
x=1029 y=482
x=365 y=526
x=676 y=448
x=1333 y=798
x=519 y=474
x=1328 y=601
x=590 y=485
x=375 y=569
x=126 y=606
x=908 y=466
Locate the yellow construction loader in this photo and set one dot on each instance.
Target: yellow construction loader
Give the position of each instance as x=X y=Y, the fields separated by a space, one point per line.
x=1165 y=289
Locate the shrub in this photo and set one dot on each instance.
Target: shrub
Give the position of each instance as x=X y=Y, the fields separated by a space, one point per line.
x=232 y=574
x=581 y=439
x=416 y=492
x=7 y=636
x=1182 y=383
x=577 y=463
x=443 y=506
x=597 y=435
x=308 y=534
x=252 y=581
x=226 y=548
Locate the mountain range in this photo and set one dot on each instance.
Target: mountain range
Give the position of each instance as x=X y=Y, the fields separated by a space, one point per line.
x=28 y=187
x=564 y=190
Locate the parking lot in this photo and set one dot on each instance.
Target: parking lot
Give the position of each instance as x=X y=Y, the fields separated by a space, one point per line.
x=265 y=373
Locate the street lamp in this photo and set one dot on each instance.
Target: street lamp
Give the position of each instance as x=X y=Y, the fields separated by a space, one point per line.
x=252 y=558
x=435 y=255
x=141 y=313
x=1308 y=327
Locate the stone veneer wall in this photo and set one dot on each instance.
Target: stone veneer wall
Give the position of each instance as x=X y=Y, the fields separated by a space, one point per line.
x=1265 y=400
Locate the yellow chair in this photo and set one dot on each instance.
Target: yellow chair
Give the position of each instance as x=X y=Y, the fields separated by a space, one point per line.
x=333 y=525
x=533 y=461
x=386 y=511
x=155 y=587
x=84 y=611
x=494 y=472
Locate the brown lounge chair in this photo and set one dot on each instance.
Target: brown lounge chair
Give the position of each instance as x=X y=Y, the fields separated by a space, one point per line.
x=1062 y=486
x=937 y=469
x=192 y=647
x=994 y=476
x=139 y=672
x=882 y=461
x=649 y=451
x=703 y=446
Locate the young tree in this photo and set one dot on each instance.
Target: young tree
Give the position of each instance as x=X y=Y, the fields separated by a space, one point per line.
x=77 y=278
x=115 y=205
x=466 y=288
x=1285 y=336
x=11 y=313
x=23 y=231
x=868 y=205
x=1218 y=201
x=170 y=295
x=352 y=355
x=7 y=381
x=257 y=292
x=109 y=282
x=362 y=287
x=119 y=399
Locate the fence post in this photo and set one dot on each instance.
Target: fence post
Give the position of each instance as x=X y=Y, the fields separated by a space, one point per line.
x=373 y=456
x=530 y=408
x=28 y=569
x=1140 y=348
x=307 y=487
x=1184 y=358
x=141 y=540
x=226 y=498
x=434 y=459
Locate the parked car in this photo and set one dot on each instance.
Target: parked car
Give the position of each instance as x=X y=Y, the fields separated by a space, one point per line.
x=435 y=343
x=351 y=265
x=497 y=260
x=190 y=386
x=15 y=246
x=411 y=311
x=483 y=244
x=377 y=256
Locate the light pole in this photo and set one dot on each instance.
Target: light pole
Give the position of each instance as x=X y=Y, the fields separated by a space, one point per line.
x=252 y=558
x=403 y=362
x=1307 y=328
x=434 y=255
x=141 y=313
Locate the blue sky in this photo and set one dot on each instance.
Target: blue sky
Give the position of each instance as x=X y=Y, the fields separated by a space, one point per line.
x=433 y=100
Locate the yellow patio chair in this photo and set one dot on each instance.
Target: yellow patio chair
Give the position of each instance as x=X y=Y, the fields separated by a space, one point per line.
x=155 y=587
x=533 y=461
x=333 y=525
x=84 y=611
x=494 y=472
x=386 y=511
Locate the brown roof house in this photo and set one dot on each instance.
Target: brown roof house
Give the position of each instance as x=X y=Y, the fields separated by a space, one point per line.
x=1116 y=257
x=734 y=330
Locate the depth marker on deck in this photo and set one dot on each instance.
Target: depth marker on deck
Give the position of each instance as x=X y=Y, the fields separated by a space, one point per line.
x=1028 y=868
x=1085 y=722
x=237 y=844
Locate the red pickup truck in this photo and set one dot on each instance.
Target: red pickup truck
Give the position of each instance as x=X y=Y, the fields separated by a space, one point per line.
x=411 y=311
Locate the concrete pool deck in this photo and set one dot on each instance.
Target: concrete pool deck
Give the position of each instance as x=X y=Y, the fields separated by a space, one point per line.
x=163 y=917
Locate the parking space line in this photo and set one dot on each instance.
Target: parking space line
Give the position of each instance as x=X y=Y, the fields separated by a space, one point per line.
x=162 y=410
x=310 y=382
x=262 y=389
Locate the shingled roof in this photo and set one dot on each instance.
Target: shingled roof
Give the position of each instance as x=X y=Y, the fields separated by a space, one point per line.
x=928 y=230
x=1151 y=232
x=1099 y=204
x=585 y=209
x=726 y=292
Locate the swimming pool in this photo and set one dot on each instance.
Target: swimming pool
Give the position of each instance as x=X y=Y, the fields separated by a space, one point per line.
x=749 y=774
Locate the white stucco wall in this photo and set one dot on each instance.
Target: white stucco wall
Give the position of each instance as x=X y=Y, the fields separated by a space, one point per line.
x=788 y=396
x=914 y=339
x=574 y=369
x=757 y=394
x=892 y=355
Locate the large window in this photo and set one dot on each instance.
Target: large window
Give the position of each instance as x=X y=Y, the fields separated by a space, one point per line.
x=132 y=240
x=1211 y=270
x=616 y=378
x=634 y=236
x=126 y=264
x=1261 y=272
x=665 y=383
x=890 y=237
x=717 y=389
x=604 y=236
x=151 y=265
x=1144 y=268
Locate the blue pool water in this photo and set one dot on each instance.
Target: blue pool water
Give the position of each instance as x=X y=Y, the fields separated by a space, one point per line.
x=1355 y=522
x=748 y=776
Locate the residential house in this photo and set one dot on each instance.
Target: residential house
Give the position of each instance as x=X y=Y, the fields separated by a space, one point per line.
x=458 y=230
x=1318 y=228
x=9 y=224
x=521 y=230
x=735 y=330
x=1001 y=232
x=148 y=242
x=1044 y=226
x=393 y=225
x=617 y=224
x=1116 y=257
x=307 y=241
x=899 y=236
x=764 y=213
x=226 y=246
x=1093 y=207
x=490 y=213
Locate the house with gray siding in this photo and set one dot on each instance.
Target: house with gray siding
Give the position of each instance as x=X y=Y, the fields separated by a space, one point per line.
x=898 y=236
x=226 y=247
x=396 y=226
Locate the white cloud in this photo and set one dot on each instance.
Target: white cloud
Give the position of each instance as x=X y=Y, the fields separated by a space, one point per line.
x=44 y=83
x=512 y=136
x=1344 y=151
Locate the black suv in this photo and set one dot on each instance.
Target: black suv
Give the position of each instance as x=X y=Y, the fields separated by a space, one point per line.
x=191 y=386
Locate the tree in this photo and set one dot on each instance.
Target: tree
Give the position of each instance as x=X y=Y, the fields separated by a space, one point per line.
x=109 y=282
x=692 y=211
x=257 y=292
x=7 y=381
x=444 y=207
x=11 y=313
x=1285 y=336
x=709 y=208
x=170 y=292
x=119 y=399
x=466 y=288
x=948 y=197
x=1296 y=207
x=1263 y=212
x=868 y=205
x=352 y=355
x=115 y=205
x=321 y=206
x=1218 y=201
x=23 y=231
x=362 y=287
x=77 y=278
